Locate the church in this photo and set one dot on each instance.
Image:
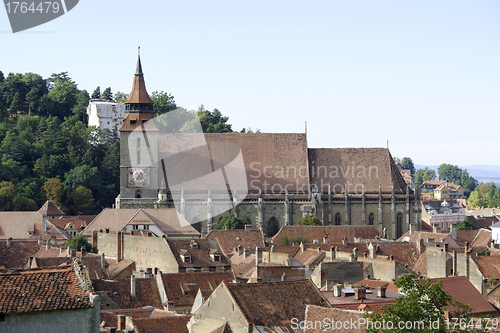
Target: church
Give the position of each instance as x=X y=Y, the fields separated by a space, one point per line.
x=273 y=178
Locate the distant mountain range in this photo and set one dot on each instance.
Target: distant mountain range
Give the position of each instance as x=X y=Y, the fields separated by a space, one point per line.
x=483 y=173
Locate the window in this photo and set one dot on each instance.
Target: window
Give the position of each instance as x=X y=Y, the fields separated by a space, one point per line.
x=135 y=227
x=371 y=219
x=138 y=151
x=146 y=227
x=337 y=219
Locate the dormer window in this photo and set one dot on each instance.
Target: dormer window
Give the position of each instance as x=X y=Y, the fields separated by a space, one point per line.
x=215 y=255
x=193 y=244
x=185 y=256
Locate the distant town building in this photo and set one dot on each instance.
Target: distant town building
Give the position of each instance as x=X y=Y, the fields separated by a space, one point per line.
x=442 y=213
x=443 y=190
x=106 y=114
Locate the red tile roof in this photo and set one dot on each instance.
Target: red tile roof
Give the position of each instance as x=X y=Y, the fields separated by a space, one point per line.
x=229 y=240
x=173 y=324
x=18 y=253
x=200 y=254
x=315 y=314
x=52 y=209
x=181 y=288
x=483 y=221
x=109 y=317
x=41 y=290
x=462 y=290
x=119 y=292
x=489 y=266
x=335 y=233
x=275 y=304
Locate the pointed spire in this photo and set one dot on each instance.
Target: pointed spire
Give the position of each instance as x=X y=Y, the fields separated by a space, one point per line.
x=138 y=69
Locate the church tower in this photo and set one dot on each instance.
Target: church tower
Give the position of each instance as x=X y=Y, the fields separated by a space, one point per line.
x=138 y=148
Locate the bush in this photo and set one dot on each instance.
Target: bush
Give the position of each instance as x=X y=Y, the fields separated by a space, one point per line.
x=309 y=220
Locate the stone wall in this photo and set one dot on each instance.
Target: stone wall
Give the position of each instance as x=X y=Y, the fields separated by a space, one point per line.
x=337 y=272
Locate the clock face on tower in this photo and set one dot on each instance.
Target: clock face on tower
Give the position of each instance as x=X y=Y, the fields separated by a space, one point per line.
x=139 y=177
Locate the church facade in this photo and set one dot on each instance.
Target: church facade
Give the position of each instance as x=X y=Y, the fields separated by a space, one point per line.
x=273 y=178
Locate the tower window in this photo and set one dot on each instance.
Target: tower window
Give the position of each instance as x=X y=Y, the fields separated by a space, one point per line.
x=138 y=151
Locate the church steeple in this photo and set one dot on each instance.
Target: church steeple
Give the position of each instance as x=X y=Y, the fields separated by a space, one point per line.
x=139 y=95
x=138 y=106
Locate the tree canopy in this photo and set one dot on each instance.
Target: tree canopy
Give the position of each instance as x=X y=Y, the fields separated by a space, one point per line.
x=423 y=305
x=233 y=222
x=309 y=220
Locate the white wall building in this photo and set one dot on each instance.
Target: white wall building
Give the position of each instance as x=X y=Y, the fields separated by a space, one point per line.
x=106 y=114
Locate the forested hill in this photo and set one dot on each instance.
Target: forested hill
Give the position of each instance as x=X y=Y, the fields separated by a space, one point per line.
x=48 y=152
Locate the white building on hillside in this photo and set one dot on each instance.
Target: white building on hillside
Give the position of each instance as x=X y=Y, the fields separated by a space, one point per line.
x=106 y=114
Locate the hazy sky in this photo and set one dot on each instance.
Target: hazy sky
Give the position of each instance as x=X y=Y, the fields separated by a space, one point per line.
x=424 y=75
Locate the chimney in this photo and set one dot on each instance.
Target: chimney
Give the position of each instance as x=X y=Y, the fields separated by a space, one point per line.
x=240 y=250
x=445 y=247
x=283 y=277
x=40 y=242
x=227 y=227
x=156 y=270
x=355 y=252
x=371 y=251
x=44 y=219
x=332 y=252
x=344 y=241
x=8 y=241
x=273 y=248
x=436 y=229
x=149 y=273
x=73 y=253
x=381 y=291
x=420 y=245
x=258 y=256
x=359 y=293
x=47 y=245
x=246 y=253
x=94 y=237
x=132 y=286
x=83 y=250
x=337 y=290
x=60 y=250
x=325 y=238
x=103 y=261
x=121 y=322
x=453 y=231
x=248 y=227
x=118 y=246
x=302 y=247
x=466 y=247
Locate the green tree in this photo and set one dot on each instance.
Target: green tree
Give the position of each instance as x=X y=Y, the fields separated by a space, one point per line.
x=120 y=97
x=80 y=241
x=24 y=204
x=80 y=201
x=422 y=301
x=213 y=122
x=233 y=222
x=422 y=175
x=466 y=224
x=285 y=241
x=97 y=93
x=309 y=220
x=8 y=192
x=80 y=107
x=52 y=190
x=163 y=102
x=107 y=94
x=407 y=164
x=298 y=240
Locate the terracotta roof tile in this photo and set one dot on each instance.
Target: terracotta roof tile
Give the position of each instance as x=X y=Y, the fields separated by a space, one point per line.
x=483 y=221
x=420 y=266
x=335 y=233
x=462 y=290
x=52 y=209
x=275 y=304
x=18 y=253
x=267 y=157
x=355 y=166
x=223 y=329
x=315 y=314
x=243 y=267
x=229 y=240
x=200 y=256
x=173 y=324
x=310 y=257
x=482 y=239
x=110 y=319
x=119 y=292
x=41 y=290
x=488 y=265
x=181 y=288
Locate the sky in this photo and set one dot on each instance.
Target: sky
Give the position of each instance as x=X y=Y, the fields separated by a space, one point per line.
x=420 y=76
